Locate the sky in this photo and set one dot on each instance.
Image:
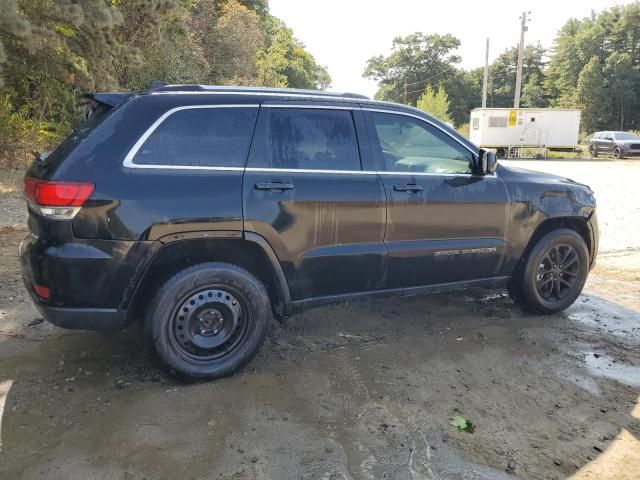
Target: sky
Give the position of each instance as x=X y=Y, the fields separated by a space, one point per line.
x=343 y=34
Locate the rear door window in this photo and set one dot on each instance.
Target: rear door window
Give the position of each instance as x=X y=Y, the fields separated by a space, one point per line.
x=312 y=139
x=200 y=137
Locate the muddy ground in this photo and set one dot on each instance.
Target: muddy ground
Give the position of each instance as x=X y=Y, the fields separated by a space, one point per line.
x=359 y=391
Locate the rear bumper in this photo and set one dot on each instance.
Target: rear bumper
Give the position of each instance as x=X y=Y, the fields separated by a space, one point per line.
x=77 y=318
x=86 y=280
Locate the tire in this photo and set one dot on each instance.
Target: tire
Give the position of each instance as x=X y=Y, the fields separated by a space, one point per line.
x=207 y=321
x=593 y=151
x=544 y=285
x=617 y=153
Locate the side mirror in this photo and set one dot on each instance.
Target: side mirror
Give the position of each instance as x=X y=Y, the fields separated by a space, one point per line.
x=487 y=161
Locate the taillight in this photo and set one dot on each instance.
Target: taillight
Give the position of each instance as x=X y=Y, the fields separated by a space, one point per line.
x=59 y=200
x=42 y=291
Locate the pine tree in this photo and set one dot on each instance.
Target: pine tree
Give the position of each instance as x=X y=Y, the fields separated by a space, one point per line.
x=593 y=97
x=435 y=103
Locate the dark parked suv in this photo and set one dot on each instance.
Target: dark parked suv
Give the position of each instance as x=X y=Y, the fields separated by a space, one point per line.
x=206 y=210
x=618 y=144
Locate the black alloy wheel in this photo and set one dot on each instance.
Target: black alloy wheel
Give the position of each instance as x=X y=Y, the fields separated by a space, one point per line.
x=550 y=277
x=617 y=153
x=558 y=272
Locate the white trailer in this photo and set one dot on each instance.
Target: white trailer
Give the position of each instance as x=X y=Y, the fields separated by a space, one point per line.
x=509 y=130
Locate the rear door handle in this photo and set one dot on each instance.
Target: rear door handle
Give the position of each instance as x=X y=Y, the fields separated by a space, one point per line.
x=273 y=186
x=408 y=187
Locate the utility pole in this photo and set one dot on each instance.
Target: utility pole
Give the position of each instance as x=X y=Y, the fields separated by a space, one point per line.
x=523 y=28
x=486 y=77
x=405 y=91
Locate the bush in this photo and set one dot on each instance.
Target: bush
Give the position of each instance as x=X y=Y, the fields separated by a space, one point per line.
x=464 y=130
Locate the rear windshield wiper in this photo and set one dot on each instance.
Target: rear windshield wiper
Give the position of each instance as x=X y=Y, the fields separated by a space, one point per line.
x=41 y=157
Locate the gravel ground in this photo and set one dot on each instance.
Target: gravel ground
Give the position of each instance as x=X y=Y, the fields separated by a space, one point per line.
x=615 y=184
x=356 y=391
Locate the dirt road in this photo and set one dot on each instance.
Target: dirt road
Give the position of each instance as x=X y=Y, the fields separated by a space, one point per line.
x=360 y=391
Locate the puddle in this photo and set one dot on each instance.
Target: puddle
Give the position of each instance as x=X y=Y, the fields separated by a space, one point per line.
x=444 y=461
x=582 y=381
x=604 y=316
x=606 y=366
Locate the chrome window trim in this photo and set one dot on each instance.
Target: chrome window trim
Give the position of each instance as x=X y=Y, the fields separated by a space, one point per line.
x=128 y=159
x=365 y=172
x=301 y=170
x=310 y=170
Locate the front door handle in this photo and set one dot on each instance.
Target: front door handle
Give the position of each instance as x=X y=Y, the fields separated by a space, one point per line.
x=408 y=187
x=273 y=186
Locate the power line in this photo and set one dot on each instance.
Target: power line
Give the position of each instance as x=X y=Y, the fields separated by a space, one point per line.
x=427 y=79
x=441 y=82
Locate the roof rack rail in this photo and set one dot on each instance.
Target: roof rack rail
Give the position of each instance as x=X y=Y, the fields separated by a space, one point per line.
x=165 y=87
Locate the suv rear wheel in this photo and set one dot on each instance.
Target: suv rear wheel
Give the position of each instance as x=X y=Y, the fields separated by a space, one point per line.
x=593 y=151
x=207 y=321
x=554 y=273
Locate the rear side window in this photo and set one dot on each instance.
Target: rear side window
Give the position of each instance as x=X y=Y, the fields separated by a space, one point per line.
x=200 y=137
x=313 y=139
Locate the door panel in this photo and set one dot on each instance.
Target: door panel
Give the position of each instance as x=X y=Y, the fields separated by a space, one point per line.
x=327 y=225
x=453 y=230
x=444 y=223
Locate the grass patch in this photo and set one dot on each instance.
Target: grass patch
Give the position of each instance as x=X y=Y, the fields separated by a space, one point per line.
x=10 y=180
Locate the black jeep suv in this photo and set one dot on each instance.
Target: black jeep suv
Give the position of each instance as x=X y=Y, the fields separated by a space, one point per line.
x=206 y=210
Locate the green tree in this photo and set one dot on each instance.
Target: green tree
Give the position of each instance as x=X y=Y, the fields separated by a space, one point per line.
x=465 y=93
x=52 y=51
x=436 y=103
x=286 y=63
x=503 y=74
x=593 y=97
x=612 y=38
x=168 y=45
x=234 y=43
x=416 y=60
x=533 y=92
x=623 y=80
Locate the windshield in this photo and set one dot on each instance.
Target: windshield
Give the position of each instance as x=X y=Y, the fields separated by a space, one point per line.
x=627 y=136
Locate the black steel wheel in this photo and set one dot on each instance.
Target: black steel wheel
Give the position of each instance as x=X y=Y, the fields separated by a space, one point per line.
x=209 y=324
x=207 y=321
x=552 y=275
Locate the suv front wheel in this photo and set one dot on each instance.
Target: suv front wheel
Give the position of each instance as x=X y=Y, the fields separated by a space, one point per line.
x=617 y=153
x=554 y=273
x=207 y=321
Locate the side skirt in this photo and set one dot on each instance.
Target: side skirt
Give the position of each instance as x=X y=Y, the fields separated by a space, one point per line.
x=299 y=306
